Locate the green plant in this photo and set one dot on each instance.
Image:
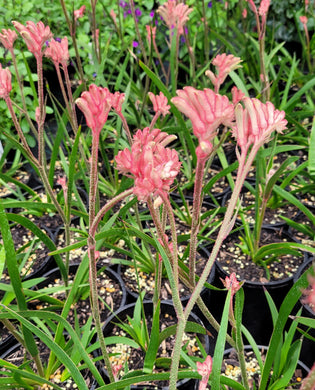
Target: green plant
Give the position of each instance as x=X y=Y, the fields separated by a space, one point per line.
x=142 y=331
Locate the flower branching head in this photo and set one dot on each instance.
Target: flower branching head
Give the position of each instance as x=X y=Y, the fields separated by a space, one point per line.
x=231 y=283
x=78 y=13
x=117 y=100
x=207 y=111
x=5 y=82
x=152 y=165
x=7 y=38
x=160 y=103
x=237 y=95
x=256 y=122
x=58 y=51
x=95 y=105
x=34 y=35
x=175 y=15
x=224 y=65
x=204 y=369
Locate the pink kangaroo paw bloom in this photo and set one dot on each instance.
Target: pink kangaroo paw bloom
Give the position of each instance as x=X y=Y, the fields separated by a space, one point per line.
x=58 y=51
x=78 y=13
x=151 y=31
x=5 y=82
x=117 y=100
x=231 y=283
x=204 y=369
x=160 y=103
x=95 y=105
x=175 y=15
x=206 y=110
x=224 y=65
x=256 y=122
x=34 y=35
x=152 y=165
x=7 y=38
x=237 y=95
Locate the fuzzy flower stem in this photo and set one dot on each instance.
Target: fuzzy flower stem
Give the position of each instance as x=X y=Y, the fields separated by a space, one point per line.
x=126 y=127
x=20 y=132
x=17 y=75
x=132 y=6
x=95 y=307
x=94 y=221
x=71 y=27
x=93 y=178
x=64 y=95
x=224 y=230
x=108 y=206
x=70 y=96
x=212 y=321
x=41 y=142
x=166 y=75
x=154 y=119
x=95 y=35
x=196 y=218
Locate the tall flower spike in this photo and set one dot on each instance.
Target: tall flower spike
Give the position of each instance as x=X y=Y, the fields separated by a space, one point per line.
x=95 y=105
x=175 y=15
x=58 y=51
x=34 y=35
x=5 y=82
x=7 y=38
x=224 y=65
x=207 y=111
x=160 y=103
x=204 y=369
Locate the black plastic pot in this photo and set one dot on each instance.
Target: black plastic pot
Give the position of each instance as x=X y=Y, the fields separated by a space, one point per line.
x=300 y=365
x=166 y=308
x=256 y=313
x=14 y=348
x=54 y=274
x=133 y=295
x=308 y=346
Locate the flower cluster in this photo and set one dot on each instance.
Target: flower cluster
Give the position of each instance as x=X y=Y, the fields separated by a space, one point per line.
x=175 y=15
x=224 y=65
x=256 y=122
x=152 y=165
x=206 y=110
x=96 y=104
x=34 y=35
x=5 y=82
x=58 y=51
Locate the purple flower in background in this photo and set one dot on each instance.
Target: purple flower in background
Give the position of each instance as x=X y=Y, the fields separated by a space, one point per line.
x=58 y=39
x=129 y=12
x=210 y=4
x=123 y=4
x=94 y=74
x=135 y=44
x=152 y=14
x=182 y=39
x=138 y=12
